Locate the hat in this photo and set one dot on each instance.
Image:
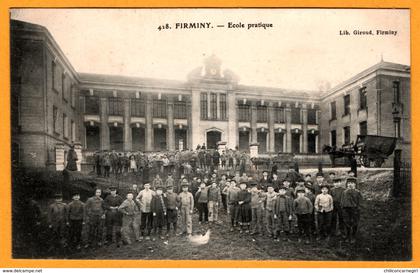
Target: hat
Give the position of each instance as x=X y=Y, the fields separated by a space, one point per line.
x=75 y=193
x=319 y=174
x=308 y=174
x=253 y=183
x=185 y=184
x=112 y=188
x=159 y=188
x=242 y=181
x=300 y=181
x=332 y=173
x=337 y=180
x=169 y=187
x=300 y=190
x=308 y=185
x=351 y=180
x=265 y=171
x=58 y=195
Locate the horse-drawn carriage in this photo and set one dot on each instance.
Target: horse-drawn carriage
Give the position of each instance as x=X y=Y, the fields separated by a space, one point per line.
x=369 y=150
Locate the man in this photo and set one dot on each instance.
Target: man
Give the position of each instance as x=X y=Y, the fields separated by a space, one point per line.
x=264 y=181
x=106 y=163
x=145 y=199
x=71 y=159
x=113 y=217
x=95 y=214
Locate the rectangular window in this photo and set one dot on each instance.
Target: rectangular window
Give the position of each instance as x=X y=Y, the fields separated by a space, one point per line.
x=91 y=105
x=362 y=98
x=396 y=88
x=363 y=128
x=261 y=113
x=278 y=115
x=73 y=131
x=180 y=109
x=115 y=106
x=346 y=131
x=203 y=106
x=223 y=107
x=55 y=117
x=333 y=110
x=296 y=116
x=346 y=105
x=213 y=106
x=73 y=96
x=53 y=76
x=159 y=108
x=397 y=128
x=244 y=113
x=64 y=86
x=138 y=108
x=333 y=138
x=312 y=117
x=65 y=126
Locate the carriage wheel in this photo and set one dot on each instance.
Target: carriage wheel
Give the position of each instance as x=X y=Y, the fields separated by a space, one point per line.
x=365 y=161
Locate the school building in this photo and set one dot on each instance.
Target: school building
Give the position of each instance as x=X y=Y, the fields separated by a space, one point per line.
x=53 y=106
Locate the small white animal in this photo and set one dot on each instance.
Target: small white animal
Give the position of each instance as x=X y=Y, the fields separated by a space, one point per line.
x=200 y=239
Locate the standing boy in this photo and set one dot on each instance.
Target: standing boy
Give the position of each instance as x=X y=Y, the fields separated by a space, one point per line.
x=113 y=217
x=76 y=212
x=337 y=214
x=95 y=214
x=244 y=202
x=270 y=202
x=129 y=210
x=158 y=208
x=324 y=207
x=215 y=199
x=350 y=202
x=145 y=199
x=171 y=209
x=57 y=219
x=257 y=207
x=186 y=206
x=201 y=197
x=303 y=208
x=283 y=210
x=232 y=201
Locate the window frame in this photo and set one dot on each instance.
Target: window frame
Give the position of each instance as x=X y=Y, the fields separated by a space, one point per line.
x=346 y=105
x=333 y=114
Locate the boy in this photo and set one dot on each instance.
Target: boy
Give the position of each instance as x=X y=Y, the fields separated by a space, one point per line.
x=270 y=201
x=186 y=206
x=201 y=197
x=317 y=185
x=276 y=182
x=129 y=210
x=157 y=182
x=158 y=209
x=57 y=219
x=303 y=208
x=113 y=217
x=169 y=181
x=224 y=194
x=232 y=201
x=145 y=199
x=244 y=202
x=171 y=210
x=76 y=212
x=290 y=192
x=324 y=207
x=350 y=202
x=95 y=214
x=264 y=181
x=257 y=203
x=337 y=213
x=283 y=210
x=214 y=201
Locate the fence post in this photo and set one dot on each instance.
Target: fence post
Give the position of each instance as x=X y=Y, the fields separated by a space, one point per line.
x=396 y=187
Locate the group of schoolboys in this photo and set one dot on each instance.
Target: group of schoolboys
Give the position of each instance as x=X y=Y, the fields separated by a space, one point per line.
x=323 y=208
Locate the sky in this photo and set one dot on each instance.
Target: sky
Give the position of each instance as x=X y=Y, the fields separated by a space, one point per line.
x=303 y=50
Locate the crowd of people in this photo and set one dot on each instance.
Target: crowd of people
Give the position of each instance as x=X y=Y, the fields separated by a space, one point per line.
x=106 y=163
x=292 y=207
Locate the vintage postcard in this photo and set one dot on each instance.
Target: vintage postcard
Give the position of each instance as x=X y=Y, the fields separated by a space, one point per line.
x=211 y=134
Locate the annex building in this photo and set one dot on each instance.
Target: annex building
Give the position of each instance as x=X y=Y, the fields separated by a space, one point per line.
x=53 y=106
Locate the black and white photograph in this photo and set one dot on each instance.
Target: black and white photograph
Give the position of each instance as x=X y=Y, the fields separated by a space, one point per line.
x=264 y=134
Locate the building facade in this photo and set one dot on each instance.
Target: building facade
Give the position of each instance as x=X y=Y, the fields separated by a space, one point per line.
x=54 y=106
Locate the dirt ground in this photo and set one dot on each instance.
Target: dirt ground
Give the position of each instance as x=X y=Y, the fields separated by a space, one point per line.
x=384 y=234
